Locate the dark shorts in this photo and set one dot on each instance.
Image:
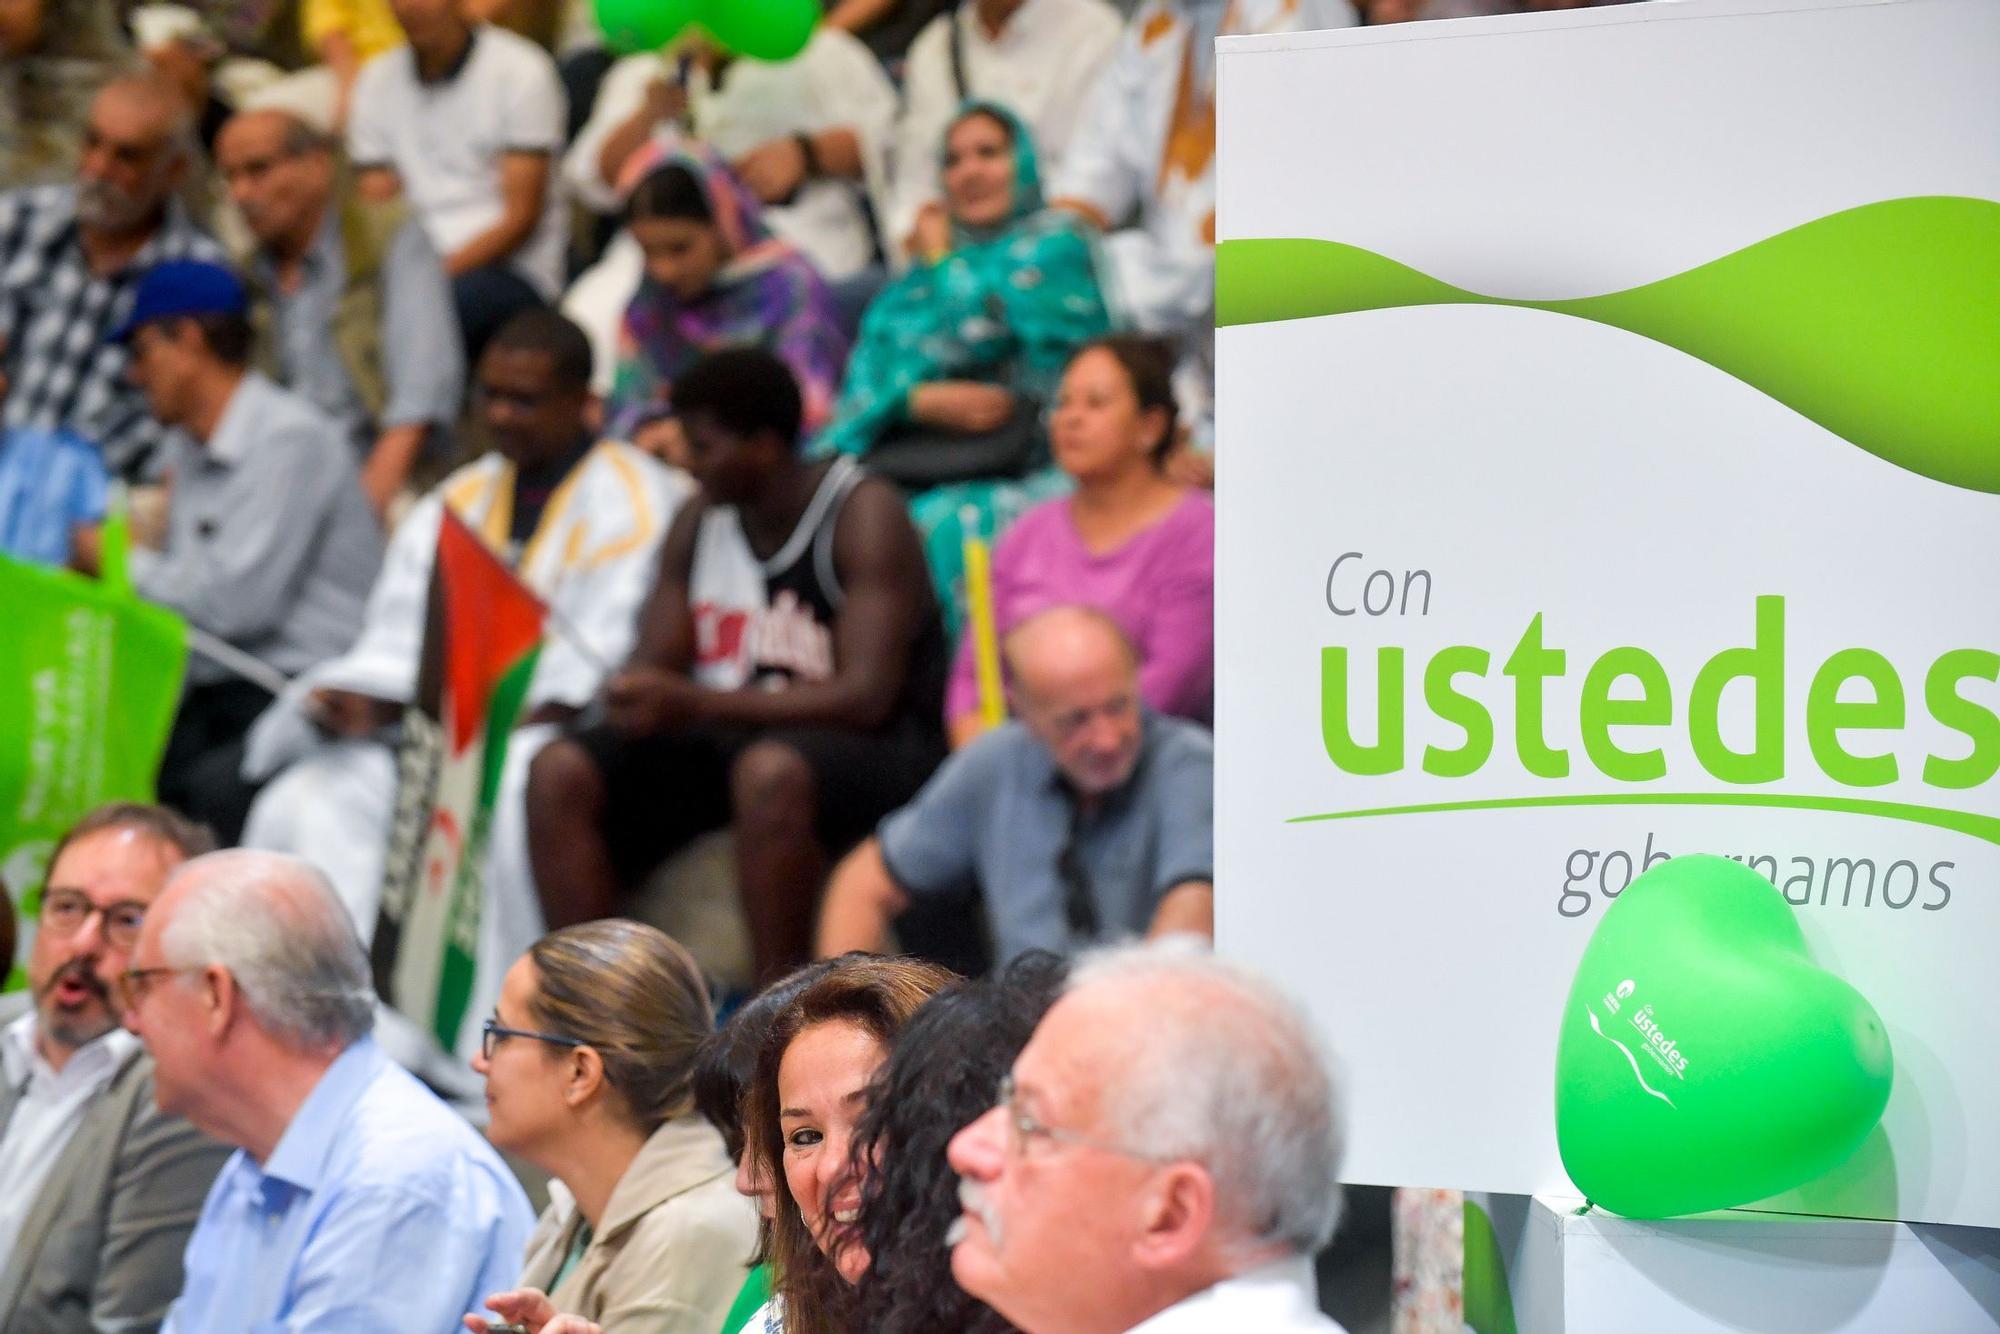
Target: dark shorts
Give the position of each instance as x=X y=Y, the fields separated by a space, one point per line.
x=666 y=790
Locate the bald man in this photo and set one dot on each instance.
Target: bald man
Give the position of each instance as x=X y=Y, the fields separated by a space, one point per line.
x=1088 y=818
x=355 y=1200
x=70 y=261
x=350 y=299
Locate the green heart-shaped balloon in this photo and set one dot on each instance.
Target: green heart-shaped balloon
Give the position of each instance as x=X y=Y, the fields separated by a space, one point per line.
x=760 y=29
x=1705 y=1060
x=642 y=25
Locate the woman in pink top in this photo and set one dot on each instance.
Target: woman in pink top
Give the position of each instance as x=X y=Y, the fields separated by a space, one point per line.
x=1129 y=541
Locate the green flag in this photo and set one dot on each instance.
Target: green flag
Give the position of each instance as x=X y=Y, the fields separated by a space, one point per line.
x=90 y=677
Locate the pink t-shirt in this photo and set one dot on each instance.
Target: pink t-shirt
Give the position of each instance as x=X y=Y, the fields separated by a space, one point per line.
x=1160 y=586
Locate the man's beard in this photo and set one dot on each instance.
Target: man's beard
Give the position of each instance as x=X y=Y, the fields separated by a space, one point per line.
x=75 y=1030
x=109 y=208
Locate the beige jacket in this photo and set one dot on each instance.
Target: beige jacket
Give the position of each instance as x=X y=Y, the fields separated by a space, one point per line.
x=673 y=1247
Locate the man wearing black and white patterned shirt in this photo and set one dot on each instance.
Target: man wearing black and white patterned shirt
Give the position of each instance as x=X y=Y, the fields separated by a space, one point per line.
x=70 y=257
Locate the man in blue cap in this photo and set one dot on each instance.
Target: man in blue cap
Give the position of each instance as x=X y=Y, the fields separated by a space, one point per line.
x=271 y=546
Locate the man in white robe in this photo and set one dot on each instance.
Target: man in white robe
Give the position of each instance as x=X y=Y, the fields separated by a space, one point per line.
x=1142 y=168
x=581 y=525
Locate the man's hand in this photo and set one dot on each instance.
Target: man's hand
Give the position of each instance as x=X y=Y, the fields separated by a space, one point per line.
x=774 y=170
x=347 y=713
x=665 y=100
x=664 y=439
x=643 y=701
x=960 y=405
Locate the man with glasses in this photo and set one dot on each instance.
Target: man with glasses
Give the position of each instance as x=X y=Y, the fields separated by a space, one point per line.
x=580 y=521
x=350 y=301
x=356 y=1200
x=1086 y=819
x=71 y=257
x=101 y=1188
x=270 y=546
x=1162 y=1157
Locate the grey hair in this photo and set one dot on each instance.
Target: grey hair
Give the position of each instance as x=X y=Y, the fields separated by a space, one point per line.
x=275 y=923
x=1231 y=1075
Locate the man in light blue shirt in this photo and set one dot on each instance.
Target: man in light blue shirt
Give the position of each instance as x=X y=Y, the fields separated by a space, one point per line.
x=356 y=1201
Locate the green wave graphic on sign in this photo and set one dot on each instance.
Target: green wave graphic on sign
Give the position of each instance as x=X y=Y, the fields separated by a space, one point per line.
x=1881 y=323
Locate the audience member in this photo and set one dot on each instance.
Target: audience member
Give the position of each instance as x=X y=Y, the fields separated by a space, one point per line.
x=1162 y=1157
x=787 y=657
x=53 y=56
x=1146 y=149
x=723 y=1074
x=964 y=348
x=350 y=303
x=941 y=1075
x=270 y=544
x=102 y=1187
x=808 y=136
x=51 y=480
x=463 y=121
x=589 y=1062
x=355 y=1200
x=581 y=524
x=812 y=1077
x=1129 y=541
x=1089 y=819
x=71 y=258
x=714 y=279
x=1037 y=58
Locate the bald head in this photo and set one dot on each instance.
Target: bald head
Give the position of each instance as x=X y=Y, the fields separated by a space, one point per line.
x=1061 y=641
x=137 y=147
x=1076 y=687
x=276 y=925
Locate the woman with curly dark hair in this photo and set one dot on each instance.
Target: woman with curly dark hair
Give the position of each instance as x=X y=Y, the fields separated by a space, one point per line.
x=947 y=1062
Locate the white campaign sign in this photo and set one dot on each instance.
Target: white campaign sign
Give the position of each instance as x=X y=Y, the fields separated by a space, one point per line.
x=1505 y=493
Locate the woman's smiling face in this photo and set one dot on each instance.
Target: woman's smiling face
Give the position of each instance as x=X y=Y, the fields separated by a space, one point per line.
x=822 y=1088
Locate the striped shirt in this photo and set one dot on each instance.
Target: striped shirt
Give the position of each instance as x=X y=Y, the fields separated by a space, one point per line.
x=55 y=316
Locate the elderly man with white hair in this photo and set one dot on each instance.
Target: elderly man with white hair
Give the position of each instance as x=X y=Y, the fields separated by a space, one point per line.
x=1161 y=1158
x=356 y=1200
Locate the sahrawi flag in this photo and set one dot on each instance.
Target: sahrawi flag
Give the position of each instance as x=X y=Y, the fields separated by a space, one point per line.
x=482 y=636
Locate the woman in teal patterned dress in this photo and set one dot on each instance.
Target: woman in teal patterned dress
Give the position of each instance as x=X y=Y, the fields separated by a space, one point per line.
x=978 y=327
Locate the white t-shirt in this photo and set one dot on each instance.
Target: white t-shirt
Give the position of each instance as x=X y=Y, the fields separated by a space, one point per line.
x=1042 y=67
x=446 y=139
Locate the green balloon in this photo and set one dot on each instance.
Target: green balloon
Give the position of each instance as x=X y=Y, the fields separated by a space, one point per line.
x=642 y=25
x=1704 y=1060
x=760 y=29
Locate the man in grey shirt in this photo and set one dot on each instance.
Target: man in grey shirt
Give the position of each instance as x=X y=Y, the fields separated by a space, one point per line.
x=271 y=546
x=350 y=302
x=1087 y=819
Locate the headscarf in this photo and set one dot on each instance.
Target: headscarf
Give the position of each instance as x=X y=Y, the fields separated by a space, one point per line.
x=1008 y=304
x=766 y=294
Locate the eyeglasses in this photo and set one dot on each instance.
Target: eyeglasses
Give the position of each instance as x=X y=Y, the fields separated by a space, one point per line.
x=1024 y=1127
x=135 y=984
x=66 y=911
x=493 y=1030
